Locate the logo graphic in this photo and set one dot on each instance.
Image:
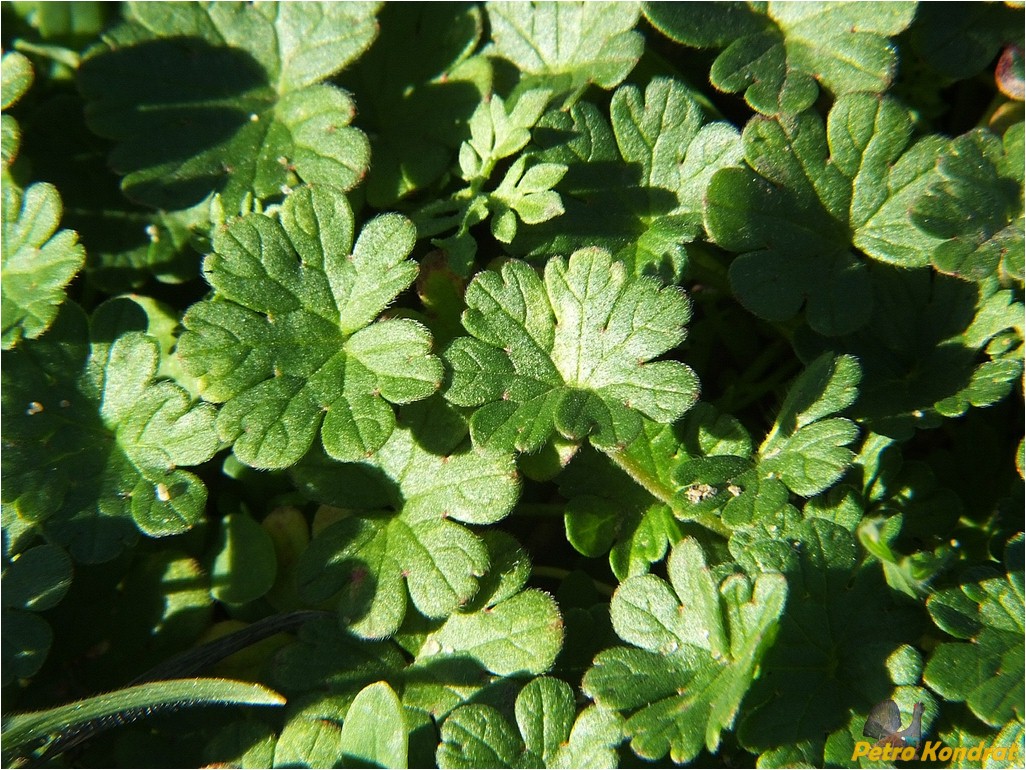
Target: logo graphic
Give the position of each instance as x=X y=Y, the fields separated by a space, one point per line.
x=884 y=724
x=892 y=743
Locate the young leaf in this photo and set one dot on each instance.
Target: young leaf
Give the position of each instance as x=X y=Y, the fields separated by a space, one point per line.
x=527 y=193
x=522 y=633
x=633 y=506
x=975 y=205
x=568 y=46
x=38 y=263
x=373 y=558
x=419 y=86
x=81 y=402
x=986 y=670
x=228 y=98
x=496 y=132
x=374 y=730
x=242 y=541
x=568 y=356
x=306 y=742
x=17 y=78
x=806 y=448
x=777 y=53
x=549 y=736
x=635 y=187
x=820 y=193
x=701 y=641
x=289 y=344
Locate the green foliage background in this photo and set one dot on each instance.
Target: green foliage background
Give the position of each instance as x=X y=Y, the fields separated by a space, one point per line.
x=510 y=384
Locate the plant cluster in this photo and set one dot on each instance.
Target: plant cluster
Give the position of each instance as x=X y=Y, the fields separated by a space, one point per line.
x=510 y=384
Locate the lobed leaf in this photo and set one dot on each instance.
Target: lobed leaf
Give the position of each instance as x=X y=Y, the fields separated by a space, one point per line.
x=798 y=221
x=568 y=356
x=779 y=53
x=266 y=120
x=975 y=206
x=38 y=263
x=986 y=670
x=419 y=85
x=374 y=559
x=826 y=662
x=806 y=449
x=567 y=46
x=637 y=506
x=701 y=642
x=83 y=403
x=549 y=735
x=634 y=187
x=287 y=344
x=920 y=352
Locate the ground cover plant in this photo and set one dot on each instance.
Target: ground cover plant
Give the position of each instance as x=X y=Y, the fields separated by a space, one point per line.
x=511 y=384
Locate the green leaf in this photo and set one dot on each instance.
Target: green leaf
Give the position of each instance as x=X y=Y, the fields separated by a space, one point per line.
x=920 y=353
x=568 y=356
x=806 y=448
x=72 y=25
x=521 y=634
x=650 y=206
x=38 y=262
x=242 y=744
x=306 y=742
x=266 y=120
x=37 y=579
x=323 y=656
x=806 y=451
x=372 y=558
x=821 y=193
x=986 y=671
x=701 y=641
x=127 y=244
x=418 y=86
x=245 y=565
x=778 y=52
x=82 y=403
x=33 y=581
x=20 y=730
x=529 y=194
x=289 y=344
x=374 y=731
x=911 y=508
x=828 y=656
x=549 y=736
x=497 y=131
x=633 y=504
x=975 y=206
x=568 y=46
x=963 y=40
x=26 y=642
x=17 y=78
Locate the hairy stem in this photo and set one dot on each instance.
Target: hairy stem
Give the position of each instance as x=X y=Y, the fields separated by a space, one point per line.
x=666 y=494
